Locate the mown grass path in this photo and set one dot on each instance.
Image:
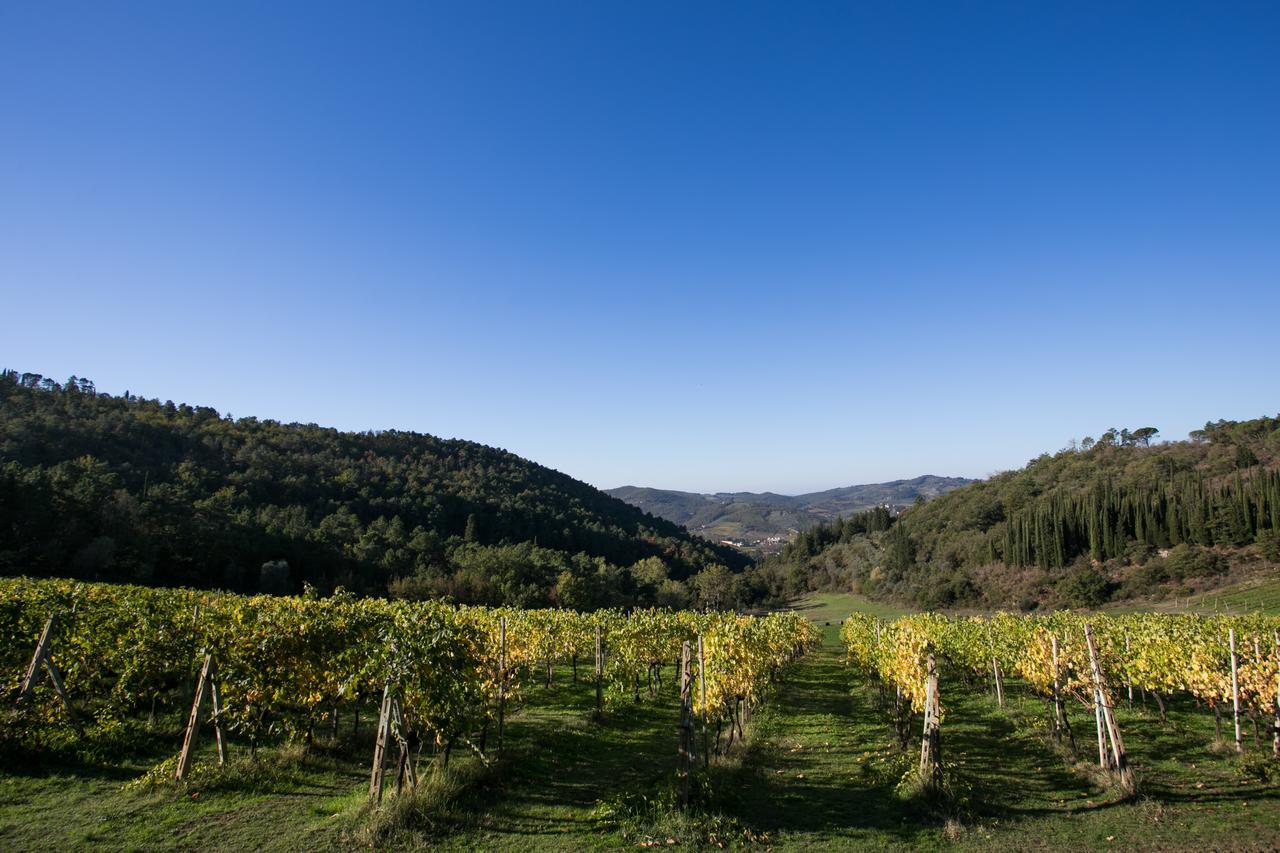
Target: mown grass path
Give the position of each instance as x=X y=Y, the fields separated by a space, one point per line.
x=804 y=782
x=824 y=768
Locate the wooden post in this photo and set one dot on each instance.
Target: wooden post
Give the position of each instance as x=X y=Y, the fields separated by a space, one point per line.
x=215 y=696
x=1129 y=684
x=380 y=746
x=502 y=678
x=702 y=690
x=1276 y=743
x=405 y=773
x=43 y=658
x=1061 y=720
x=1120 y=760
x=192 y=733
x=930 y=740
x=599 y=673
x=1104 y=760
x=1057 y=691
x=995 y=669
x=1235 y=687
x=686 y=726
x=42 y=646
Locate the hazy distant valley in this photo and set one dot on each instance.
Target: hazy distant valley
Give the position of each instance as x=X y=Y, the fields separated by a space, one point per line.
x=765 y=521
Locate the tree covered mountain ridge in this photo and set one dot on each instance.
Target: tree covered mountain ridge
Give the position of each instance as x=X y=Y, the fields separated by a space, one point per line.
x=1113 y=518
x=123 y=488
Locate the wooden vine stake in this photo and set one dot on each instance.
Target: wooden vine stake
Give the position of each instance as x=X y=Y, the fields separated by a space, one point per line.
x=686 y=726
x=1117 y=760
x=702 y=691
x=1235 y=687
x=206 y=688
x=1057 y=689
x=42 y=661
x=1128 y=684
x=599 y=673
x=995 y=669
x=406 y=773
x=931 y=740
x=380 y=745
x=391 y=724
x=1104 y=757
x=502 y=678
x=997 y=680
x=1275 y=744
x=1060 y=722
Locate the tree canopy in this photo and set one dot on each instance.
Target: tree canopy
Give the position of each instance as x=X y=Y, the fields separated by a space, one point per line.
x=123 y=488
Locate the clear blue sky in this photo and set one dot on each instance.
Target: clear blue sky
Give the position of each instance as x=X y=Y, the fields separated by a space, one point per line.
x=709 y=247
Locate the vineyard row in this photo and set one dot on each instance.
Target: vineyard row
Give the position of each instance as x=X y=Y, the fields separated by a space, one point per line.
x=1222 y=662
x=280 y=666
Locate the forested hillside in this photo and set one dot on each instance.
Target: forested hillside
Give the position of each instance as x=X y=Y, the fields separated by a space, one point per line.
x=1114 y=518
x=128 y=489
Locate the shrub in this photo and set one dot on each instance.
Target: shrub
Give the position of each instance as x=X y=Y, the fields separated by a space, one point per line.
x=1084 y=586
x=1189 y=561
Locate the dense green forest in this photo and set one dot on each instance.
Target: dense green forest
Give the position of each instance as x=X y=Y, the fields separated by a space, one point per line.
x=122 y=488
x=1111 y=518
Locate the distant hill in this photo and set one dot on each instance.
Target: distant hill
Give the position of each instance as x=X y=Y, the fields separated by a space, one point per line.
x=122 y=488
x=754 y=518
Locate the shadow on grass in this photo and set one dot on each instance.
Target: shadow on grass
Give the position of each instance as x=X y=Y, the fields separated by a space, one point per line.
x=558 y=763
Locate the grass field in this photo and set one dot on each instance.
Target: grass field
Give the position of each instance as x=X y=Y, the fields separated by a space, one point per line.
x=1260 y=595
x=1253 y=597
x=833 y=607
x=820 y=770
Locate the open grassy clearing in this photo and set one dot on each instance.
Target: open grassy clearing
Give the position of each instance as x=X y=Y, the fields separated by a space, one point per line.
x=822 y=607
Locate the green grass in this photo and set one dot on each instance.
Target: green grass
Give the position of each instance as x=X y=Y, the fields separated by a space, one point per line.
x=835 y=606
x=77 y=807
x=1254 y=596
x=820 y=770
x=825 y=766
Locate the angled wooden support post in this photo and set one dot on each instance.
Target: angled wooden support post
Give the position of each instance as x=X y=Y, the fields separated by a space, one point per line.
x=380 y=746
x=998 y=676
x=1118 y=760
x=42 y=660
x=205 y=686
x=215 y=697
x=406 y=775
x=37 y=659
